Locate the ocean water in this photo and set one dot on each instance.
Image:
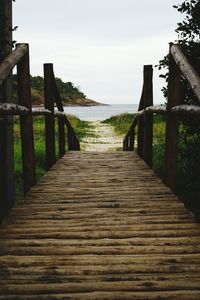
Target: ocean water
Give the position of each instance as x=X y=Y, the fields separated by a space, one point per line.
x=94 y=113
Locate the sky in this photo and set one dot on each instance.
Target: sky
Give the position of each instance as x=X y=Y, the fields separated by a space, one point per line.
x=99 y=45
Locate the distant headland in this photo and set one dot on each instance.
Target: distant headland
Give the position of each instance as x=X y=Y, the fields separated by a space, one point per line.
x=83 y=102
x=71 y=95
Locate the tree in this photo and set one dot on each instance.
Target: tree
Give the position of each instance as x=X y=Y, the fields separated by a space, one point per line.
x=189 y=38
x=189 y=143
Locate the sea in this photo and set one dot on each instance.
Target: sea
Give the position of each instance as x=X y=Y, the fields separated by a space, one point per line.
x=95 y=113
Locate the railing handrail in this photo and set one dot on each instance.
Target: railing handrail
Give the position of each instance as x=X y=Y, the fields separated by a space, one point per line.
x=178 y=64
x=20 y=58
x=73 y=142
x=11 y=61
x=186 y=68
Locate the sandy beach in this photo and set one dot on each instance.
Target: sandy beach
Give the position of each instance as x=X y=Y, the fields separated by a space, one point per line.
x=104 y=140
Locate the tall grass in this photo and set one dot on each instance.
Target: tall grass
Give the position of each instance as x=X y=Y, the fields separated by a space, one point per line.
x=82 y=129
x=188 y=179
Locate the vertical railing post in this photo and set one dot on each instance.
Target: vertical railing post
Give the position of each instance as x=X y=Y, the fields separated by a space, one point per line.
x=26 y=123
x=49 y=119
x=140 y=134
x=7 y=191
x=132 y=138
x=61 y=136
x=125 y=143
x=172 y=124
x=69 y=139
x=148 y=117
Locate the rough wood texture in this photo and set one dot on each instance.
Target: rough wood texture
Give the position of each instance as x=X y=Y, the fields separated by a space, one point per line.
x=129 y=140
x=160 y=109
x=148 y=118
x=140 y=134
x=100 y=226
x=38 y=111
x=172 y=124
x=26 y=122
x=13 y=109
x=7 y=190
x=11 y=61
x=50 y=147
x=188 y=110
x=187 y=69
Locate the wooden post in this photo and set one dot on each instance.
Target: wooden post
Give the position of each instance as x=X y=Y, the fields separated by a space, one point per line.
x=49 y=119
x=61 y=136
x=132 y=139
x=125 y=144
x=7 y=191
x=78 y=148
x=140 y=135
x=172 y=124
x=69 y=139
x=26 y=123
x=148 y=117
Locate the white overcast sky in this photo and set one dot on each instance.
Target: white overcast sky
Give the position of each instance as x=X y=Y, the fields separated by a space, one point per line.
x=99 y=45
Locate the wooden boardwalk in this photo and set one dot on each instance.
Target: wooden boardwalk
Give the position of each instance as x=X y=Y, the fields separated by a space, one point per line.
x=100 y=226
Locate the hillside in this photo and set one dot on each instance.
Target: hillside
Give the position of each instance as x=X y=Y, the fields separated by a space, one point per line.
x=70 y=94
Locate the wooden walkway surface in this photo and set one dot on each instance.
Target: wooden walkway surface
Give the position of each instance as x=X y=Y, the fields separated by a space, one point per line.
x=100 y=226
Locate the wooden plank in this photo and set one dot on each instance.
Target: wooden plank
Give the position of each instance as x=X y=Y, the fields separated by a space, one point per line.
x=150 y=295
x=49 y=119
x=26 y=122
x=118 y=234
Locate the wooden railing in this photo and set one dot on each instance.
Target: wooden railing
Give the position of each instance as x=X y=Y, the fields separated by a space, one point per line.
x=20 y=58
x=178 y=66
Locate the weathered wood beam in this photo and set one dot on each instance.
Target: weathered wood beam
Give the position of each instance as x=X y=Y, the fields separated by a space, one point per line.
x=37 y=111
x=186 y=110
x=57 y=96
x=172 y=124
x=7 y=186
x=140 y=135
x=13 y=109
x=26 y=122
x=61 y=136
x=159 y=109
x=49 y=119
x=11 y=61
x=148 y=118
x=188 y=71
x=59 y=114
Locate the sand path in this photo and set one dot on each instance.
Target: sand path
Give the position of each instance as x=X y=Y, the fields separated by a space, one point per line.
x=104 y=140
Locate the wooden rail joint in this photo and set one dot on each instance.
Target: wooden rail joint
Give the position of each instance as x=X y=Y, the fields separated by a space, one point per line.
x=12 y=60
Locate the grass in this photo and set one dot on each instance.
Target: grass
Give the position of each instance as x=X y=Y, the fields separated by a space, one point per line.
x=188 y=181
x=188 y=185
x=82 y=129
x=121 y=122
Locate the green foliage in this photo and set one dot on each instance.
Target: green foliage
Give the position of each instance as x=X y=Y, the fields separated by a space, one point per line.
x=68 y=92
x=121 y=122
x=189 y=38
x=82 y=128
x=188 y=30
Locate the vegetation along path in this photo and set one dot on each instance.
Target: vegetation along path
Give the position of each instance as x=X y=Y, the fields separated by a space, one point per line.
x=103 y=138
